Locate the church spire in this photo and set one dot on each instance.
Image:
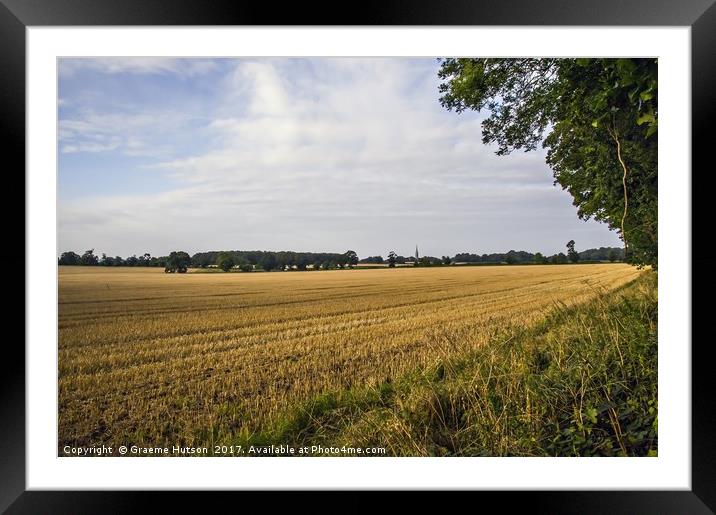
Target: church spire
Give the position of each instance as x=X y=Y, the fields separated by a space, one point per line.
x=417 y=257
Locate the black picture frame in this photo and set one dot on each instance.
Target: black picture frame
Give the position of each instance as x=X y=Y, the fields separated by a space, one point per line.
x=16 y=15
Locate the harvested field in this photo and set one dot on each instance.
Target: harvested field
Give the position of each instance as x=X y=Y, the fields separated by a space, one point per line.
x=160 y=359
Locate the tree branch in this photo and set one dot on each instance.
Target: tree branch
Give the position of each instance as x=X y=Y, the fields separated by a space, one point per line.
x=615 y=136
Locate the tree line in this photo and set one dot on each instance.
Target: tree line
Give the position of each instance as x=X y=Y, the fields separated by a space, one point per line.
x=179 y=261
x=611 y=254
x=268 y=260
x=247 y=261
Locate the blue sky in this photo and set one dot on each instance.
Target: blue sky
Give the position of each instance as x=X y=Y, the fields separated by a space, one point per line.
x=321 y=154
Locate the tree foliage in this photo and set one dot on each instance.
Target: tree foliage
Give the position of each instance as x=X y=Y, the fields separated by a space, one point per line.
x=178 y=261
x=89 y=259
x=392 y=258
x=225 y=261
x=351 y=258
x=69 y=258
x=268 y=261
x=572 y=254
x=558 y=259
x=373 y=260
x=598 y=120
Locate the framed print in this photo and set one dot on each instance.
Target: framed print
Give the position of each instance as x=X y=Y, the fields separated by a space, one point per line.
x=415 y=250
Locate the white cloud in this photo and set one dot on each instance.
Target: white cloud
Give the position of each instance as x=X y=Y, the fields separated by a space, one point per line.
x=147 y=134
x=91 y=147
x=137 y=65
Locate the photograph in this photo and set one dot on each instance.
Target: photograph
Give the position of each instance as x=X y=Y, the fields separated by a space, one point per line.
x=405 y=247
x=444 y=256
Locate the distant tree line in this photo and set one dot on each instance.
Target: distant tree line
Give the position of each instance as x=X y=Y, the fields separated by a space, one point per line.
x=372 y=260
x=430 y=261
x=249 y=260
x=179 y=261
x=267 y=260
x=513 y=257
x=88 y=258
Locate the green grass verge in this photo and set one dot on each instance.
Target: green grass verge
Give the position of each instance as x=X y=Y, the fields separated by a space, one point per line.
x=581 y=383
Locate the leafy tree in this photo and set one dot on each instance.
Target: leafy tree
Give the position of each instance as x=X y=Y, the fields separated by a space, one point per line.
x=600 y=254
x=280 y=260
x=246 y=267
x=392 y=257
x=466 y=257
x=88 y=258
x=373 y=259
x=510 y=258
x=225 y=261
x=202 y=260
x=612 y=256
x=178 y=261
x=289 y=260
x=446 y=260
x=69 y=258
x=302 y=262
x=424 y=261
x=572 y=254
x=596 y=117
x=539 y=259
x=351 y=258
x=268 y=261
x=559 y=259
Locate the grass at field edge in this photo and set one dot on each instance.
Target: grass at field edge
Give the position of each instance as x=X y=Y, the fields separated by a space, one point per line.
x=583 y=382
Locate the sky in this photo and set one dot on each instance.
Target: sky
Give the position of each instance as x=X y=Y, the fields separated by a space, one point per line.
x=302 y=154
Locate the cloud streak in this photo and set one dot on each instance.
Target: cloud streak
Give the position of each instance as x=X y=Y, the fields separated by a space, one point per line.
x=137 y=65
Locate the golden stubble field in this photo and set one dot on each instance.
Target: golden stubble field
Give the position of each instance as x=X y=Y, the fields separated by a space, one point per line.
x=149 y=358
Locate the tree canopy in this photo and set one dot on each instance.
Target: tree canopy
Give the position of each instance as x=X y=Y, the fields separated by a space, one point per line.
x=178 y=261
x=572 y=254
x=392 y=258
x=88 y=258
x=598 y=120
x=351 y=258
x=225 y=261
x=70 y=258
